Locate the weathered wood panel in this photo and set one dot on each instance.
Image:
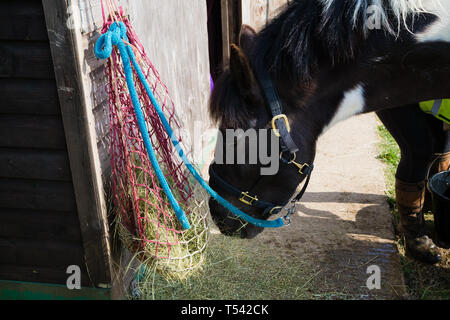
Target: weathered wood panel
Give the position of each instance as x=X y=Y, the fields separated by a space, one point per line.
x=38 y=274
x=96 y=87
x=176 y=41
x=52 y=254
x=257 y=13
x=36 y=195
x=34 y=164
x=22 y=20
x=23 y=96
x=78 y=119
x=101 y=114
x=91 y=14
x=40 y=235
x=45 y=132
x=40 y=225
x=182 y=42
x=25 y=59
x=227 y=39
x=95 y=80
x=90 y=62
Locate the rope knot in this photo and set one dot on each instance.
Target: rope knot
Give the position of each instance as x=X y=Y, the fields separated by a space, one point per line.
x=116 y=33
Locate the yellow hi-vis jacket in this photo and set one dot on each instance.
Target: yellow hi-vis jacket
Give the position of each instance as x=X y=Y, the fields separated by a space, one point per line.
x=439 y=108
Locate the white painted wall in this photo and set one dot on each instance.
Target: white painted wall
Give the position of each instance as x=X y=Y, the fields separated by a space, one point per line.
x=256 y=13
x=175 y=35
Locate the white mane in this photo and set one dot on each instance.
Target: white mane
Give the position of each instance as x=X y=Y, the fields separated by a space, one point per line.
x=400 y=8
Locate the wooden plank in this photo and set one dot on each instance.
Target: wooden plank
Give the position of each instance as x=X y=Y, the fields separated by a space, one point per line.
x=182 y=41
x=102 y=128
x=225 y=33
x=36 y=195
x=97 y=86
x=91 y=62
x=91 y=14
x=276 y=7
x=38 y=274
x=31 y=132
x=22 y=20
x=40 y=225
x=34 y=164
x=234 y=21
x=101 y=115
x=24 y=96
x=25 y=59
x=257 y=13
x=105 y=158
x=78 y=121
x=51 y=254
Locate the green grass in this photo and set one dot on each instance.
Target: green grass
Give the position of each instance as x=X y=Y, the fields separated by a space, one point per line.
x=390 y=155
x=423 y=281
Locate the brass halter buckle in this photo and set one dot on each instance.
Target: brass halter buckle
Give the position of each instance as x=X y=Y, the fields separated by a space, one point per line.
x=301 y=167
x=248 y=199
x=274 y=124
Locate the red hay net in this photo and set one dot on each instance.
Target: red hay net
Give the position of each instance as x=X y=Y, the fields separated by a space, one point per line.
x=139 y=202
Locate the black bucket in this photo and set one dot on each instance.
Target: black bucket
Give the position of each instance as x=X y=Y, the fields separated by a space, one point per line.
x=440 y=189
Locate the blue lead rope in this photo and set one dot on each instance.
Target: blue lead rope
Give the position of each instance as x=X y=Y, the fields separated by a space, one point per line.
x=117 y=36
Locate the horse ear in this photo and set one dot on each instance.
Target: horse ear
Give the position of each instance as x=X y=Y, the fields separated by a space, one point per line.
x=242 y=72
x=247 y=38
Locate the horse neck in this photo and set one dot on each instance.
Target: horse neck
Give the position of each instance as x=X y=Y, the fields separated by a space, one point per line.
x=404 y=79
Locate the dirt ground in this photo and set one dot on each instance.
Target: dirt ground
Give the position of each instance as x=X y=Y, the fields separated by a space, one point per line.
x=344 y=224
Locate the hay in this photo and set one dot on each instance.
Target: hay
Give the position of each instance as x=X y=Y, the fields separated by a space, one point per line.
x=184 y=250
x=237 y=269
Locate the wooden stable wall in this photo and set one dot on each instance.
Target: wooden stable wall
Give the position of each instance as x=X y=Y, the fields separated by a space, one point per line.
x=257 y=13
x=174 y=33
x=77 y=111
x=54 y=135
x=40 y=233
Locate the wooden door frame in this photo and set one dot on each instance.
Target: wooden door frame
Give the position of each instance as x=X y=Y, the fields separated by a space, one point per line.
x=231 y=24
x=79 y=127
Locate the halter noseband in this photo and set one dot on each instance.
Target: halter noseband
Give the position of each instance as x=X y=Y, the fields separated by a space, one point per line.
x=282 y=129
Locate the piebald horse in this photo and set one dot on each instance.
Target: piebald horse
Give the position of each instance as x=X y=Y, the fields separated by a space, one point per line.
x=324 y=61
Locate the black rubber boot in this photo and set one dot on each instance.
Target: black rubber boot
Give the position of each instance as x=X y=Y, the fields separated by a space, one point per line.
x=410 y=200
